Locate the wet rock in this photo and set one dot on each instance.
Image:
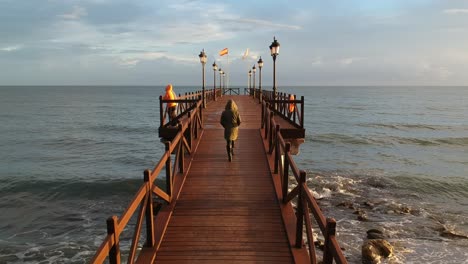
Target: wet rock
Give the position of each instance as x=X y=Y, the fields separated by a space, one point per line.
x=362 y=215
x=375 y=234
x=346 y=204
x=369 y=204
x=374 y=250
x=319 y=244
x=452 y=234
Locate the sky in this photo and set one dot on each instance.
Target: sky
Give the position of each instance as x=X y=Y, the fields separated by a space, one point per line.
x=154 y=42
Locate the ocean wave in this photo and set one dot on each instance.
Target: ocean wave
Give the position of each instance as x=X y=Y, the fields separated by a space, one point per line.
x=452 y=187
x=335 y=138
x=341 y=138
x=400 y=126
x=113 y=128
x=70 y=189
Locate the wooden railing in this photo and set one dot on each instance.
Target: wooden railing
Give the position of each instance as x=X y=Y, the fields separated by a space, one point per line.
x=185 y=103
x=306 y=203
x=231 y=91
x=289 y=109
x=143 y=204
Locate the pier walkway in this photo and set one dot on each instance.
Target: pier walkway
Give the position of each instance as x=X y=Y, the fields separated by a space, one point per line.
x=227 y=211
x=215 y=211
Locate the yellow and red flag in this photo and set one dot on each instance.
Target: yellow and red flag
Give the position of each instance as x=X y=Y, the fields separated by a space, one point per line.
x=223 y=52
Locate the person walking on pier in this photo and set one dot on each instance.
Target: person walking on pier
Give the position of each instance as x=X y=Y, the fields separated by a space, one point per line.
x=230 y=120
x=171 y=107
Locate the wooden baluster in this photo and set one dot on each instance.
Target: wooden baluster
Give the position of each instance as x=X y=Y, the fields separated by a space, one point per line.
x=277 y=148
x=181 y=152
x=270 y=141
x=302 y=112
x=114 y=252
x=161 y=112
x=285 y=183
x=149 y=210
x=330 y=231
x=168 y=169
x=300 y=211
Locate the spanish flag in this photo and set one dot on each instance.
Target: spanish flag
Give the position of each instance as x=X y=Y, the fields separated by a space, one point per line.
x=223 y=52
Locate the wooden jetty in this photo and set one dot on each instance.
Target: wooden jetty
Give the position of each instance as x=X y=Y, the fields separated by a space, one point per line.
x=215 y=211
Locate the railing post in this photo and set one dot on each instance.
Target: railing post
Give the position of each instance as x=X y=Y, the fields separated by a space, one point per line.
x=270 y=141
x=300 y=211
x=149 y=211
x=262 y=117
x=168 y=169
x=190 y=130
x=181 y=152
x=114 y=252
x=161 y=113
x=330 y=230
x=302 y=112
x=285 y=184
x=277 y=148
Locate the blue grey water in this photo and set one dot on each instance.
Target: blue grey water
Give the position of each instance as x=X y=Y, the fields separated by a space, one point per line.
x=72 y=156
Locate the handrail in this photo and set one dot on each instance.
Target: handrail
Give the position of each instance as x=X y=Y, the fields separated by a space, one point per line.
x=306 y=203
x=143 y=199
x=291 y=110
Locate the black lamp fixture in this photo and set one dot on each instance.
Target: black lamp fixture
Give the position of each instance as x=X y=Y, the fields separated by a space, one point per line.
x=215 y=67
x=274 y=50
x=250 y=79
x=260 y=66
x=202 y=56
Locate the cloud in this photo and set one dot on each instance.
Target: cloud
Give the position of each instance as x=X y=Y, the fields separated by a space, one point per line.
x=351 y=60
x=75 y=14
x=455 y=11
x=255 y=23
x=11 y=48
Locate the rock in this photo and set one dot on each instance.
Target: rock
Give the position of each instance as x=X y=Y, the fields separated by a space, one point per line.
x=375 y=234
x=369 y=204
x=374 y=250
x=453 y=235
x=347 y=204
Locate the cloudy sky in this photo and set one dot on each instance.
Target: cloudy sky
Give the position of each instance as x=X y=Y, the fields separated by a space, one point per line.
x=153 y=42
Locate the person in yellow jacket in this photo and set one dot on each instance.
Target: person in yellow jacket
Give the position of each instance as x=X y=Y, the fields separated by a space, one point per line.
x=171 y=107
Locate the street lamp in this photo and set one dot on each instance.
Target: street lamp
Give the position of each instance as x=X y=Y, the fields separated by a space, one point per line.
x=254 y=70
x=224 y=80
x=215 y=67
x=250 y=80
x=274 y=50
x=203 y=62
x=260 y=66
x=220 y=83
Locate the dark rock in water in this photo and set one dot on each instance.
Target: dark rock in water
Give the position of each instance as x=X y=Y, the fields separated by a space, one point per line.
x=347 y=204
x=452 y=234
x=319 y=244
x=375 y=234
x=362 y=216
x=369 y=204
x=374 y=250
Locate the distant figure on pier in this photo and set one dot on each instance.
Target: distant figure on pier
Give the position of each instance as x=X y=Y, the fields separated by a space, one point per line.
x=171 y=107
x=230 y=120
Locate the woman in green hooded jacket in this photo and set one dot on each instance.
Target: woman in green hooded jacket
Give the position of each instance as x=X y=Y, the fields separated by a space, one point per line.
x=230 y=120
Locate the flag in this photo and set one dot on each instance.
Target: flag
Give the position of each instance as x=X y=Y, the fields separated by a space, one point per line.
x=223 y=52
x=246 y=53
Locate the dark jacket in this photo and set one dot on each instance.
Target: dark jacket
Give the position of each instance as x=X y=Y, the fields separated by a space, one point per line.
x=230 y=120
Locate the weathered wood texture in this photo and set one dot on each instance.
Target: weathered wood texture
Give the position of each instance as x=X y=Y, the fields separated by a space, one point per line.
x=227 y=212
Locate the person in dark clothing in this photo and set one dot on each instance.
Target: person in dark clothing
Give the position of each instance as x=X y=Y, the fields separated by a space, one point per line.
x=230 y=120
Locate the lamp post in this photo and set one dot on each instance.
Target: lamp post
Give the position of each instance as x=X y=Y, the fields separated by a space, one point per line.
x=224 y=79
x=250 y=80
x=260 y=65
x=202 y=56
x=215 y=67
x=253 y=71
x=220 y=73
x=274 y=50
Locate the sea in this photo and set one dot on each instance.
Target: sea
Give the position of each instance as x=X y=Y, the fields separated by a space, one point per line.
x=377 y=157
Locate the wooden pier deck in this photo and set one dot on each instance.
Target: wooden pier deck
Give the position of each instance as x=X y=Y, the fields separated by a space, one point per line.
x=227 y=212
